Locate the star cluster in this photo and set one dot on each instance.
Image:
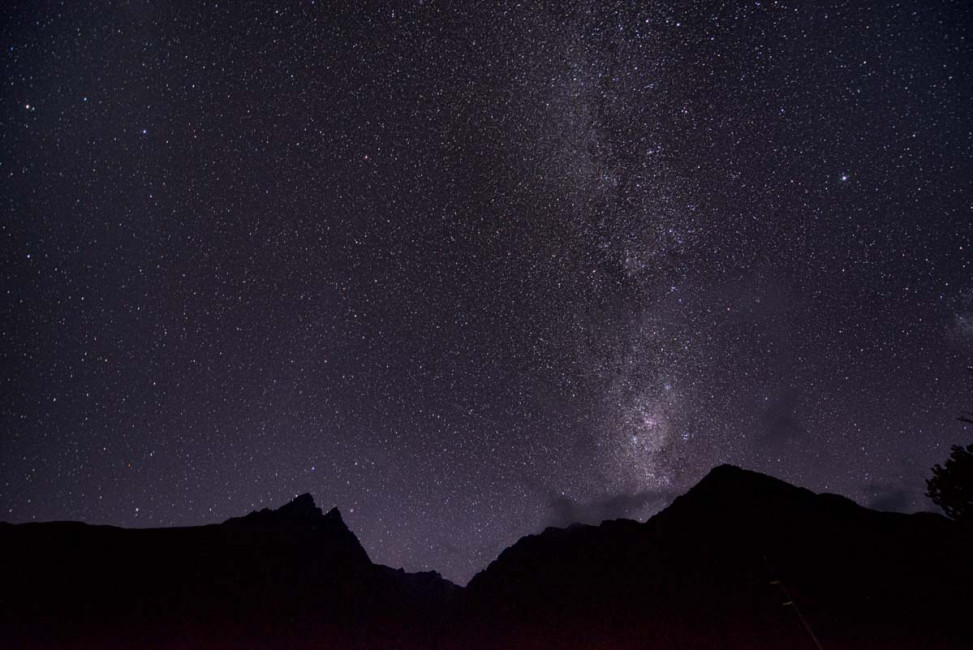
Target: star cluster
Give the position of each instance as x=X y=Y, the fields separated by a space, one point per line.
x=466 y=270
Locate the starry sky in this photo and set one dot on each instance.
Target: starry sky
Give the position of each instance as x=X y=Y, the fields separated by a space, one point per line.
x=466 y=270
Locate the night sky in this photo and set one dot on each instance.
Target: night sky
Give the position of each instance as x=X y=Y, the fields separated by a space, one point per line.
x=466 y=270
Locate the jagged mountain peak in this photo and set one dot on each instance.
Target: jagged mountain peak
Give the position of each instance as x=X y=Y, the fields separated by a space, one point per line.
x=300 y=507
x=299 y=511
x=709 y=572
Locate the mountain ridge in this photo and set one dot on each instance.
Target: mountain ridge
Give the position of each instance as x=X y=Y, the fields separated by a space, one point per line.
x=706 y=572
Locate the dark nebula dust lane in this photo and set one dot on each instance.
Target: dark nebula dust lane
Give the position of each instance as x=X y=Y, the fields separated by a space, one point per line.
x=467 y=270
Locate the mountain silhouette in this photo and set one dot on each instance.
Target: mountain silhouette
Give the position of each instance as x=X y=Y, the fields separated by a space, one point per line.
x=742 y=560
x=274 y=578
x=715 y=569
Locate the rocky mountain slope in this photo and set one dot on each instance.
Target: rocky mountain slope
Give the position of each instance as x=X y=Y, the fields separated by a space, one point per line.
x=740 y=561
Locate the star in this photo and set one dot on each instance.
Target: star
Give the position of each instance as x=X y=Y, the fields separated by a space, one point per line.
x=595 y=258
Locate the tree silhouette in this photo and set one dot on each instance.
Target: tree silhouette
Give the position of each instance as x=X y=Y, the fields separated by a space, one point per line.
x=951 y=485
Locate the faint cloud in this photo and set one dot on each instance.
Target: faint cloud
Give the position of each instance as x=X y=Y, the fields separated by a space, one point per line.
x=888 y=497
x=564 y=511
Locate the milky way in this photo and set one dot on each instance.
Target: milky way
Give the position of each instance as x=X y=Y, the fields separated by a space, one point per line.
x=466 y=270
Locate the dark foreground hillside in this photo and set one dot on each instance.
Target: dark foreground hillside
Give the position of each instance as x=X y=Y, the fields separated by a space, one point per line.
x=292 y=577
x=741 y=561
x=715 y=569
